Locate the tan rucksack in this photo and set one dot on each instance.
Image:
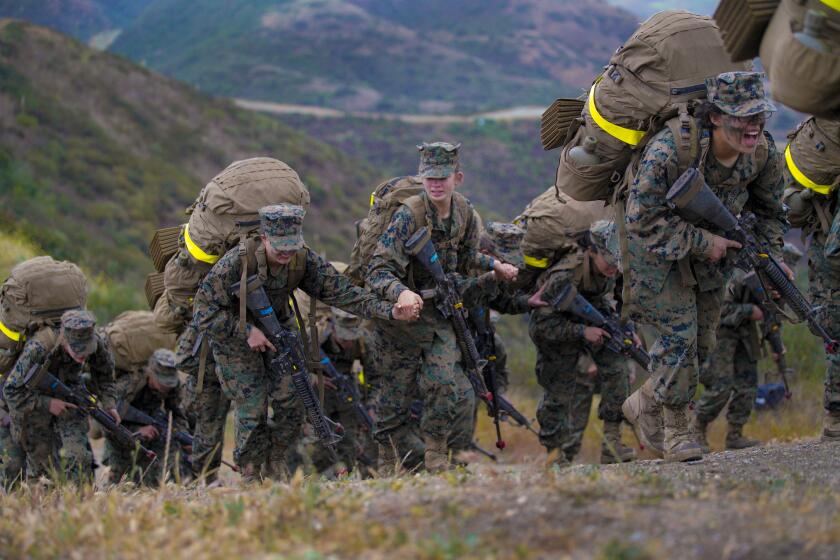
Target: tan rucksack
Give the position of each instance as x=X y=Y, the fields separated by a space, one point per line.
x=551 y=221
x=384 y=202
x=134 y=336
x=652 y=77
x=224 y=214
x=801 y=57
x=36 y=293
x=812 y=161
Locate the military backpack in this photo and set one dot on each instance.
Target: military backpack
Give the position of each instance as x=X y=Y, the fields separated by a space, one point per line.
x=36 y=293
x=224 y=215
x=134 y=336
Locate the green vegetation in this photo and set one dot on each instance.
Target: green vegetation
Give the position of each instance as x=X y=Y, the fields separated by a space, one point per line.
x=396 y=56
x=98 y=153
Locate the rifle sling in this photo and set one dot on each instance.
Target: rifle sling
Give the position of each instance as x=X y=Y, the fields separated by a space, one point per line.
x=312 y=364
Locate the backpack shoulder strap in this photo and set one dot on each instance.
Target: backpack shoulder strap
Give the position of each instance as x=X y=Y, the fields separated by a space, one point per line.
x=297 y=269
x=417 y=206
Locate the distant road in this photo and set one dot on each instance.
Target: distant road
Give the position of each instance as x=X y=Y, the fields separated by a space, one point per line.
x=525 y=113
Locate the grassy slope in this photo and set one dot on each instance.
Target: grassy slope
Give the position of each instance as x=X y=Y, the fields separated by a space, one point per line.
x=391 y=56
x=96 y=152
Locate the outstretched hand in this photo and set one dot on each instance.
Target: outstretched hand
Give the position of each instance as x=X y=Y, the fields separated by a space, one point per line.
x=536 y=300
x=505 y=271
x=408 y=306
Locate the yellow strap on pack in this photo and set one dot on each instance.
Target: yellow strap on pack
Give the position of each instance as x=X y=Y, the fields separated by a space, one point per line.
x=196 y=251
x=12 y=335
x=372 y=198
x=626 y=135
x=535 y=262
x=833 y=4
x=801 y=178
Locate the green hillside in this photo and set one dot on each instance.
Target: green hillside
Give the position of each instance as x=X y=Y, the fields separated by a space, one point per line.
x=430 y=56
x=96 y=153
x=504 y=163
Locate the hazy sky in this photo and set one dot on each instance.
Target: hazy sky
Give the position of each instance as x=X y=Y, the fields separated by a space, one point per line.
x=647 y=7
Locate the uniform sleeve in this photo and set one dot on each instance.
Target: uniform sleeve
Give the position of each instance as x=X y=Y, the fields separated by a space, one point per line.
x=662 y=231
x=556 y=325
x=389 y=263
x=470 y=255
x=734 y=312
x=213 y=309
x=323 y=282
x=832 y=242
x=18 y=396
x=102 y=372
x=127 y=386
x=765 y=201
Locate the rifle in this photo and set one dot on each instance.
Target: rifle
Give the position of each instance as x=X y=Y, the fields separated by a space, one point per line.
x=134 y=415
x=41 y=380
x=289 y=359
x=692 y=197
x=771 y=329
x=620 y=339
x=347 y=390
x=486 y=342
x=478 y=449
x=449 y=304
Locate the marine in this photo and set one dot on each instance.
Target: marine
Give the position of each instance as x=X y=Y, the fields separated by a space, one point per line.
x=52 y=433
x=561 y=341
x=424 y=357
x=154 y=390
x=676 y=272
x=282 y=263
x=730 y=373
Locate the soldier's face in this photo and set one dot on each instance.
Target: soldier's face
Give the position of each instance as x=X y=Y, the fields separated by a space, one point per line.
x=275 y=257
x=604 y=268
x=78 y=358
x=742 y=134
x=441 y=189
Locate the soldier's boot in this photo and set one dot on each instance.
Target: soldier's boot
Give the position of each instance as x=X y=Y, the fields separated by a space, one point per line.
x=699 y=429
x=612 y=450
x=557 y=458
x=644 y=414
x=679 y=443
x=735 y=438
x=389 y=462
x=831 y=426
x=250 y=473
x=437 y=455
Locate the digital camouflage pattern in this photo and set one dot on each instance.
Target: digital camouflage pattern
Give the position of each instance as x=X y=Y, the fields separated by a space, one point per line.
x=241 y=371
x=730 y=373
x=355 y=447
x=135 y=390
x=438 y=160
x=605 y=239
x=686 y=316
x=563 y=410
x=77 y=329
x=824 y=287
x=282 y=224
x=506 y=239
x=423 y=357
x=740 y=94
x=61 y=442
x=207 y=409
x=11 y=454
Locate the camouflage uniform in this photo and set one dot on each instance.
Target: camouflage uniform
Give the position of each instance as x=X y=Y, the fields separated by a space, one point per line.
x=424 y=357
x=344 y=344
x=206 y=405
x=59 y=443
x=673 y=287
x=563 y=411
x=241 y=371
x=820 y=195
x=11 y=453
x=134 y=389
x=730 y=373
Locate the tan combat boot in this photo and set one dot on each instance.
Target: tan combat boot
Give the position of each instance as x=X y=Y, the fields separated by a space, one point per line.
x=699 y=429
x=735 y=438
x=644 y=414
x=831 y=426
x=612 y=450
x=389 y=463
x=437 y=455
x=679 y=443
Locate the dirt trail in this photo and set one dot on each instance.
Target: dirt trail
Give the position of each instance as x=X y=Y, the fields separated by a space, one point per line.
x=512 y=114
x=778 y=501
